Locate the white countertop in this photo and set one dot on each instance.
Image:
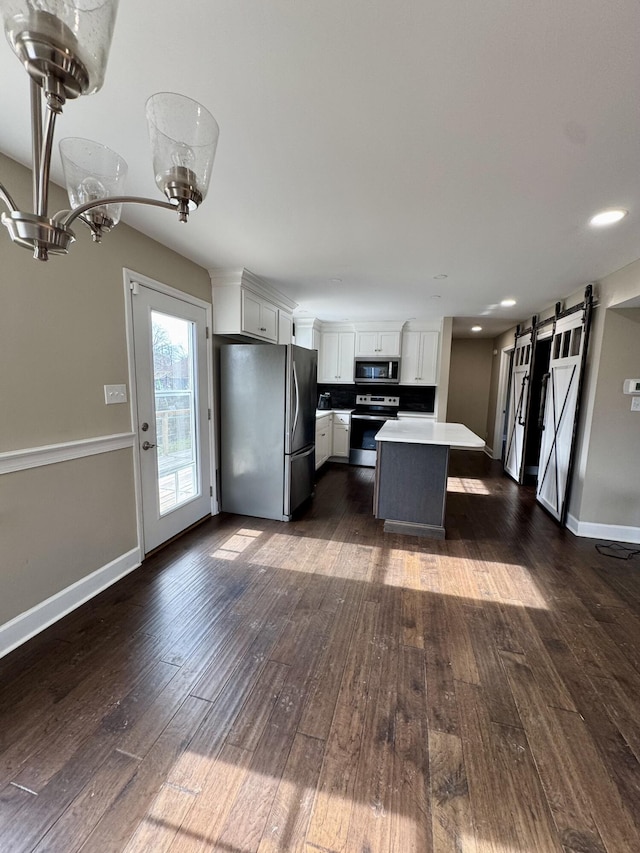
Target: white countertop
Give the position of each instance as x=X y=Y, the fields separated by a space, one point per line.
x=424 y=431
x=320 y=413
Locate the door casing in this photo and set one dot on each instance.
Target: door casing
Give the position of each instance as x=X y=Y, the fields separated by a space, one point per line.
x=131 y=279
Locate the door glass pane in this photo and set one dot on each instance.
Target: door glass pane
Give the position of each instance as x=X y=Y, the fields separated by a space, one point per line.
x=175 y=403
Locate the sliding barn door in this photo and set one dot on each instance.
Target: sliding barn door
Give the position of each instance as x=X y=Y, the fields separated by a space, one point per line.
x=518 y=406
x=560 y=414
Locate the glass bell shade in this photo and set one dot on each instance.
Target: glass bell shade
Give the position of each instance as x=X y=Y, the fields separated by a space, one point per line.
x=183 y=137
x=93 y=171
x=65 y=39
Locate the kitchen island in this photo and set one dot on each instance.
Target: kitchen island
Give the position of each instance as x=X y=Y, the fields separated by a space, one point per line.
x=411 y=473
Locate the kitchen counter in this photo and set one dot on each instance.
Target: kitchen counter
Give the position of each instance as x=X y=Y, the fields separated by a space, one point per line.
x=411 y=473
x=322 y=412
x=426 y=431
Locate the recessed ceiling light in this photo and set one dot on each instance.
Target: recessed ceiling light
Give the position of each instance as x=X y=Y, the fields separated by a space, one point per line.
x=608 y=217
x=508 y=303
x=476 y=328
x=441 y=276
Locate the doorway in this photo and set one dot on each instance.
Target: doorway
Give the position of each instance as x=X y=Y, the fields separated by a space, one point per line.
x=170 y=377
x=535 y=415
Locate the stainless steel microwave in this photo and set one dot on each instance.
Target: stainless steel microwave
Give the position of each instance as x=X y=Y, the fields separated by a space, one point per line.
x=377 y=371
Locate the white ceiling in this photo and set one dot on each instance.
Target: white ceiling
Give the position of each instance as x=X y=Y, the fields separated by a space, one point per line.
x=384 y=143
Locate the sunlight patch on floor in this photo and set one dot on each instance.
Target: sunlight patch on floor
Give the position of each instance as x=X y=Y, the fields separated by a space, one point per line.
x=233 y=547
x=467 y=485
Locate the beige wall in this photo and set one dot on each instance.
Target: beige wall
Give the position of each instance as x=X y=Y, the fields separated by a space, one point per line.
x=610 y=483
x=62 y=338
x=469 y=383
x=60 y=522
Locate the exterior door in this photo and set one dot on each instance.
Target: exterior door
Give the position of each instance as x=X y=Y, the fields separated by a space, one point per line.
x=518 y=406
x=561 y=399
x=170 y=355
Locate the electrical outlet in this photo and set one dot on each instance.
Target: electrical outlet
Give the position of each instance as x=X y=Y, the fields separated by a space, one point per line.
x=635 y=404
x=115 y=394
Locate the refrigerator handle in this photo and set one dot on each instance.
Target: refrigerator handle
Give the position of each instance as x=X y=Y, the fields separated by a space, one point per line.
x=297 y=393
x=301 y=454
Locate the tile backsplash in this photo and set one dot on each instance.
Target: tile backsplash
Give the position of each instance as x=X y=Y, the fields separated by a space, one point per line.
x=413 y=398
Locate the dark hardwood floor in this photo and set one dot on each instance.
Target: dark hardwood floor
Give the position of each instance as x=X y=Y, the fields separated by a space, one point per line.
x=322 y=686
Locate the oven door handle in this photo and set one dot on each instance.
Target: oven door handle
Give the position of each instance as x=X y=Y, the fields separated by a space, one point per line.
x=373 y=418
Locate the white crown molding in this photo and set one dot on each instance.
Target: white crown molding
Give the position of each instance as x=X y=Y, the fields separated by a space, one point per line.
x=33 y=621
x=248 y=279
x=35 y=457
x=377 y=326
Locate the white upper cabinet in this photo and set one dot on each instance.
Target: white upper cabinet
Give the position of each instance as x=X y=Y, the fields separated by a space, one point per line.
x=419 y=364
x=245 y=305
x=378 y=343
x=285 y=327
x=337 y=352
x=307 y=333
x=259 y=317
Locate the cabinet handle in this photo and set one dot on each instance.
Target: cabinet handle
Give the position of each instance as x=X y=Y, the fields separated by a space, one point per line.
x=263 y=328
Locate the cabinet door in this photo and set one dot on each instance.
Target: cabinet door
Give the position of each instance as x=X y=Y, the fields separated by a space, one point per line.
x=340 y=440
x=323 y=440
x=419 y=364
x=346 y=356
x=328 y=362
x=285 y=326
x=429 y=358
x=268 y=321
x=259 y=318
x=251 y=311
x=410 y=363
x=367 y=343
x=389 y=343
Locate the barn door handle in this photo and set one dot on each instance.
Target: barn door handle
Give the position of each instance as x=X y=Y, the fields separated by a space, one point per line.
x=522 y=400
x=543 y=400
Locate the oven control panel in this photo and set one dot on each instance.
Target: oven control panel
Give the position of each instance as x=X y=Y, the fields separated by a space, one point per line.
x=377 y=400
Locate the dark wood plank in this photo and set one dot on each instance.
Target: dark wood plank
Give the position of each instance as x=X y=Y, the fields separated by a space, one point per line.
x=322 y=686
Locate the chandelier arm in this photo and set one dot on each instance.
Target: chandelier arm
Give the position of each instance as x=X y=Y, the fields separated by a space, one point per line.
x=66 y=217
x=36 y=139
x=45 y=163
x=6 y=198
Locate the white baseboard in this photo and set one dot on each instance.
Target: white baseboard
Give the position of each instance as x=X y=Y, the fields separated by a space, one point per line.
x=31 y=622
x=608 y=532
x=489 y=451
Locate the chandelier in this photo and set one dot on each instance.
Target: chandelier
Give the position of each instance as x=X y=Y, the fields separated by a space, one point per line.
x=64 y=46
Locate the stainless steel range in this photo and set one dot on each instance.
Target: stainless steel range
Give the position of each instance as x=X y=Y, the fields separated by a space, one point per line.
x=367 y=418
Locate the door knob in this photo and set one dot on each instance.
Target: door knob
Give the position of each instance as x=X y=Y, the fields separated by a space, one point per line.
x=146 y=445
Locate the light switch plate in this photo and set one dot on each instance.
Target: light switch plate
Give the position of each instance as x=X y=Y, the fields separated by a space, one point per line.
x=115 y=394
x=635 y=404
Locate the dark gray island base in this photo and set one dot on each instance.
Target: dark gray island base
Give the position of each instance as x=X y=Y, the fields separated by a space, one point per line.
x=411 y=475
x=411 y=488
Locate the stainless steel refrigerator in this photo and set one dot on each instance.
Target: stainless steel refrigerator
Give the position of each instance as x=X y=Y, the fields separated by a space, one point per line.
x=267 y=428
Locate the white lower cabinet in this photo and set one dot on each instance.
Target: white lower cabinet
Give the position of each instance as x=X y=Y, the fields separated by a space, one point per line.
x=323 y=439
x=340 y=434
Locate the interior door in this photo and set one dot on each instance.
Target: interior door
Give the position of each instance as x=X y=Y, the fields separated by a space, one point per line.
x=170 y=355
x=518 y=404
x=561 y=400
